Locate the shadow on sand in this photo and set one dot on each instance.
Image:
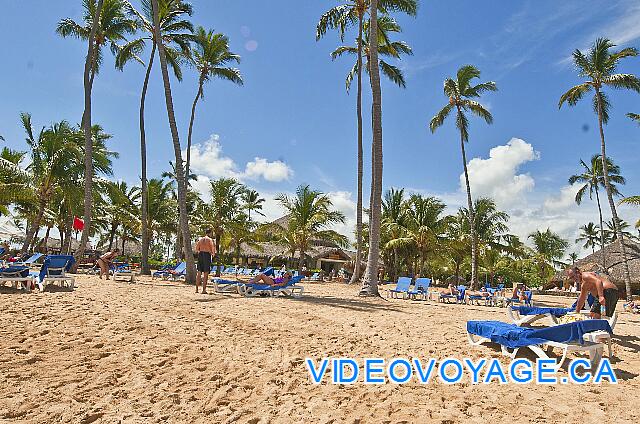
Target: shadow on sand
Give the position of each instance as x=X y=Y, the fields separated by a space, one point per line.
x=351 y=303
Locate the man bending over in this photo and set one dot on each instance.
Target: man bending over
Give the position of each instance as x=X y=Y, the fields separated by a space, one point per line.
x=600 y=287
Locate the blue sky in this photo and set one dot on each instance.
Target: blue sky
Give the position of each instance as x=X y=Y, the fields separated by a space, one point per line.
x=293 y=122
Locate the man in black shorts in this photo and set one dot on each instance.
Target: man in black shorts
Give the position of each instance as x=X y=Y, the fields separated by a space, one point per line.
x=600 y=287
x=205 y=249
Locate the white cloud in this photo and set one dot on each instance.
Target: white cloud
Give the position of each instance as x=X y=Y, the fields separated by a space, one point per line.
x=271 y=171
x=497 y=177
x=208 y=160
x=562 y=201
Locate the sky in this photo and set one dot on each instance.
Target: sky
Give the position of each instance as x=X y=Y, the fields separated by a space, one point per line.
x=294 y=123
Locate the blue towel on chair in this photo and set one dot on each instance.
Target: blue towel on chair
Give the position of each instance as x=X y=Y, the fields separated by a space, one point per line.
x=528 y=310
x=56 y=261
x=512 y=336
x=22 y=270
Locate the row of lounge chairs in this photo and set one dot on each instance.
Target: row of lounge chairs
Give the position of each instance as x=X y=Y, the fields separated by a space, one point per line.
x=53 y=270
x=246 y=289
x=421 y=291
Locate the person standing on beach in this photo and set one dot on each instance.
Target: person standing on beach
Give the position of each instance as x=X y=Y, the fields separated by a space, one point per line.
x=205 y=249
x=600 y=286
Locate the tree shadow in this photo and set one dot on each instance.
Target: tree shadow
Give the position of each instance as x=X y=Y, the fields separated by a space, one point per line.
x=627 y=341
x=350 y=303
x=11 y=290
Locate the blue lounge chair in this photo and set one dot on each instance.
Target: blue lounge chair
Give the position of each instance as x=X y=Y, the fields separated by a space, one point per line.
x=17 y=275
x=568 y=337
x=291 y=289
x=528 y=300
x=30 y=261
x=402 y=287
x=457 y=298
x=123 y=272
x=525 y=315
x=177 y=273
x=421 y=288
x=221 y=285
x=54 y=270
x=162 y=271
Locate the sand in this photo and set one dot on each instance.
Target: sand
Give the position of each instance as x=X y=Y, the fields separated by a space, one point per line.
x=113 y=352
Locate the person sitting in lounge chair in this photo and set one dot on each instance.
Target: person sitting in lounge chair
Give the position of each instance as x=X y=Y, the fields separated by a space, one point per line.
x=452 y=290
x=105 y=261
x=519 y=292
x=265 y=279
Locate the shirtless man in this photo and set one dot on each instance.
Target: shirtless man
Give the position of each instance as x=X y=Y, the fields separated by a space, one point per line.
x=104 y=262
x=600 y=287
x=205 y=249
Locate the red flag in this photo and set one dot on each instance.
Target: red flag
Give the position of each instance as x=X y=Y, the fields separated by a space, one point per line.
x=78 y=224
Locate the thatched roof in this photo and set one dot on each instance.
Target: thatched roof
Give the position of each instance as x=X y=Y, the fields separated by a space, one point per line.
x=271 y=249
x=131 y=248
x=614 y=263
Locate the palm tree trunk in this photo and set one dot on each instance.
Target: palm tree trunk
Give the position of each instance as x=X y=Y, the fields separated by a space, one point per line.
x=34 y=241
x=193 y=116
x=46 y=238
x=612 y=205
x=31 y=230
x=301 y=261
x=474 y=241
x=218 y=271
x=146 y=270
x=112 y=234
x=89 y=72
x=182 y=189
x=356 y=270
x=370 y=281
x=604 y=257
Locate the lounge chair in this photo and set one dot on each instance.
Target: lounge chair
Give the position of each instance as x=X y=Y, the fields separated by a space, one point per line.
x=291 y=289
x=421 y=288
x=124 y=272
x=402 y=287
x=161 y=272
x=54 y=270
x=315 y=277
x=225 y=286
x=568 y=337
x=30 y=261
x=17 y=275
x=457 y=298
x=528 y=299
x=179 y=272
x=525 y=315
x=477 y=298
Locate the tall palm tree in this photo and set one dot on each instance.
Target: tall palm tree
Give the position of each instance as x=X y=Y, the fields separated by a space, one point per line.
x=111 y=28
x=573 y=258
x=461 y=93
x=610 y=234
x=210 y=56
x=309 y=217
x=592 y=179
x=177 y=34
x=599 y=67
x=15 y=182
x=386 y=47
x=252 y=202
x=392 y=225
x=341 y=17
x=589 y=235
x=370 y=280
x=121 y=206
x=182 y=186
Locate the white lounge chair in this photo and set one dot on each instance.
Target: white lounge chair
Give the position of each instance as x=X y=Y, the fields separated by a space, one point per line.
x=17 y=275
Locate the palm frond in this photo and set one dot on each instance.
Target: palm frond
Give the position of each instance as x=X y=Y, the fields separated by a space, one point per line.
x=574 y=94
x=439 y=118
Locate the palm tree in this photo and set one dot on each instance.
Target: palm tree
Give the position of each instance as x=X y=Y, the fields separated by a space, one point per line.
x=252 y=202
x=176 y=33
x=599 y=67
x=370 y=280
x=592 y=179
x=161 y=218
x=573 y=258
x=634 y=116
x=121 y=206
x=210 y=56
x=222 y=210
x=392 y=225
x=309 y=217
x=53 y=154
x=610 y=234
x=182 y=186
x=340 y=17
x=589 y=235
x=15 y=182
x=111 y=28
x=549 y=247
x=461 y=93
x=386 y=47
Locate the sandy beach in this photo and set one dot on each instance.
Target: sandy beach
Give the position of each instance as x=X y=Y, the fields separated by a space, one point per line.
x=154 y=351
